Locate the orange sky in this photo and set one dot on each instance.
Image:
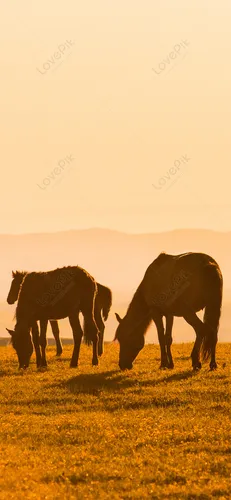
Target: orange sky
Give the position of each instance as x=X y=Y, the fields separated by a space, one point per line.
x=134 y=95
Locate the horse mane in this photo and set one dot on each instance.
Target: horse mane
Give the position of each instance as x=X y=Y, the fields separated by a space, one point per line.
x=23 y=274
x=135 y=302
x=139 y=312
x=16 y=274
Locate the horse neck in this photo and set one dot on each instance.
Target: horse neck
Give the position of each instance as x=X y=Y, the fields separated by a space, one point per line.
x=138 y=313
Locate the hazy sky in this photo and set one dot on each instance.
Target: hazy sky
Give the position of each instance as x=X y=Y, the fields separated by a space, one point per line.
x=135 y=95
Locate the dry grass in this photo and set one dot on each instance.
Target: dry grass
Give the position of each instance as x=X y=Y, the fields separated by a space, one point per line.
x=90 y=433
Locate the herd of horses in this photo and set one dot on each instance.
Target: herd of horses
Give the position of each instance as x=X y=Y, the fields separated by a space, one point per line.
x=173 y=285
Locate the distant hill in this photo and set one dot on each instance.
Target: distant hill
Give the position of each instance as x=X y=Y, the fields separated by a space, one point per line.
x=115 y=259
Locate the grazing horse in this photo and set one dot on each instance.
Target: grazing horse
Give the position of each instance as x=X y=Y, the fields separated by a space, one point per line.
x=54 y=295
x=174 y=285
x=12 y=297
x=103 y=302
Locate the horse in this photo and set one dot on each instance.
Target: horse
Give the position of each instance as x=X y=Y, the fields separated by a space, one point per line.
x=12 y=297
x=174 y=285
x=102 y=308
x=63 y=292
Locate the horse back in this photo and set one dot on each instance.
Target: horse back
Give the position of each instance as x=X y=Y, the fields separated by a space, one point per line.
x=172 y=279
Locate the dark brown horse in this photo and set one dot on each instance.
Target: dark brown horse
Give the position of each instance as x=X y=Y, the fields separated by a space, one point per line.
x=12 y=297
x=102 y=308
x=174 y=285
x=54 y=295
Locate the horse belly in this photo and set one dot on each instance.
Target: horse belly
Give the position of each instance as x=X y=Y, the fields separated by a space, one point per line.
x=56 y=311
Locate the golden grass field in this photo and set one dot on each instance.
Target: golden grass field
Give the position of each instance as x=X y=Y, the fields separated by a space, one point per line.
x=88 y=433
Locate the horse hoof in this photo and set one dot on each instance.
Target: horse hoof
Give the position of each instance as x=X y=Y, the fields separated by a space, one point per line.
x=213 y=367
x=73 y=365
x=95 y=362
x=197 y=366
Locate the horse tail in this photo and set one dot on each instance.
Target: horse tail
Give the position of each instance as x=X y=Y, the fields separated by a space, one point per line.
x=87 y=305
x=107 y=303
x=214 y=290
x=103 y=302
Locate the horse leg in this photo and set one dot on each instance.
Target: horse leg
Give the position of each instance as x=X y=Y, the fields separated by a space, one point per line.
x=91 y=331
x=101 y=327
x=195 y=354
x=198 y=326
x=55 y=331
x=168 y=339
x=35 y=337
x=213 y=364
x=43 y=340
x=211 y=322
x=158 y=320
x=95 y=361
x=101 y=341
x=77 y=336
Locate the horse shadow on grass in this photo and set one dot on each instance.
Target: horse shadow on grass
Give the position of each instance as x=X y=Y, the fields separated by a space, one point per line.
x=104 y=384
x=114 y=381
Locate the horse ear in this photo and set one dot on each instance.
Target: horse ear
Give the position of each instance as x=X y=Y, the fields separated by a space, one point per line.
x=11 y=332
x=119 y=319
x=13 y=274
